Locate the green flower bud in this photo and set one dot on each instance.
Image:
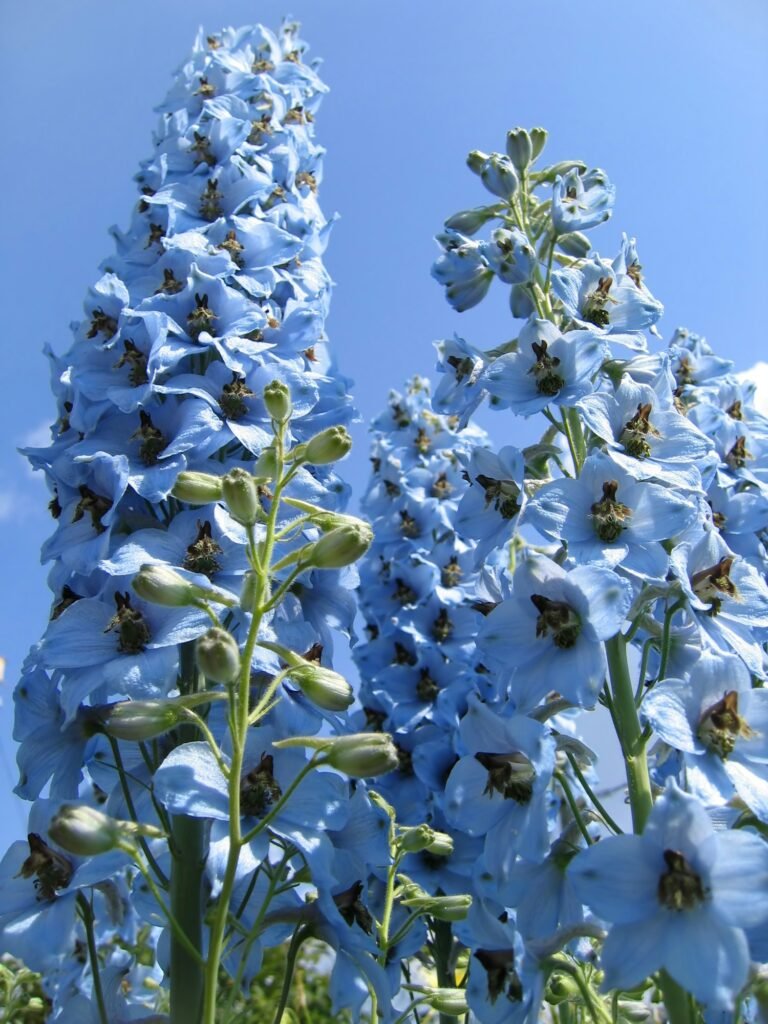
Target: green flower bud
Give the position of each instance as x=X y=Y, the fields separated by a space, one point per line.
x=328 y=446
x=159 y=584
x=573 y=243
x=277 y=399
x=266 y=465
x=519 y=148
x=248 y=593
x=538 y=141
x=443 y=908
x=84 y=830
x=197 y=488
x=137 y=720
x=241 y=493
x=476 y=160
x=416 y=838
x=218 y=656
x=470 y=221
x=450 y=1001
x=559 y=169
x=339 y=547
x=323 y=686
x=441 y=845
x=362 y=755
x=562 y=987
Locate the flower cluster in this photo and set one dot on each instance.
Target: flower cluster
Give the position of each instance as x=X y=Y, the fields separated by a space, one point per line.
x=202 y=355
x=620 y=560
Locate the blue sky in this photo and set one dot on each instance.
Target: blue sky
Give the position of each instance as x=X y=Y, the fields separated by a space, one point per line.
x=668 y=97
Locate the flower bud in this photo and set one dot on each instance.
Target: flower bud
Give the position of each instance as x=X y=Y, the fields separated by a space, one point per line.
x=249 y=590
x=538 y=141
x=84 y=831
x=450 y=1001
x=137 y=720
x=362 y=755
x=197 y=488
x=574 y=243
x=476 y=160
x=560 y=169
x=416 y=838
x=241 y=493
x=218 y=656
x=159 y=584
x=441 y=845
x=519 y=148
x=561 y=987
x=328 y=446
x=470 y=221
x=443 y=908
x=339 y=547
x=324 y=687
x=499 y=176
x=277 y=399
x=266 y=465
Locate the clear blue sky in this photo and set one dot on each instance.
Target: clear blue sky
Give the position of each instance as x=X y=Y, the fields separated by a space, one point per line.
x=669 y=96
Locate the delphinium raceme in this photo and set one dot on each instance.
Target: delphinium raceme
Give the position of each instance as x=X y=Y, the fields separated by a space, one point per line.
x=636 y=581
x=181 y=699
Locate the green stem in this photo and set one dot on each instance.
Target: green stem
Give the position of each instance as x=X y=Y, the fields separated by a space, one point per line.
x=240 y=721
x=86 y=914
x=188 y=851
x=575 y=810
x=596 y=803
x=442 y=951
x=290 y=965
x=161 y=877
x=677 y=1001
x=629 y=732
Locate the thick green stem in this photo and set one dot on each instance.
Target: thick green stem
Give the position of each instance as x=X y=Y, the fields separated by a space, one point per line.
x=679 y=1004
x=442 y=950
x=187 y=868
x=630 y=733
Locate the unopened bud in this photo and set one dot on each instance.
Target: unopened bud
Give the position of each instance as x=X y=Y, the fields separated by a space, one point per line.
x=339 y=547
x=218 y=656
x=499 y=176
x=476 y=160
x=560 y=169
x=136 y=720
x=197 y=488
x=441 y=845
x=362 y=755
x=575 y=244
x=416 y=838
x=470 y=221
x=443 y=908
x=323 y=686
x=328 y=446
x=519 y=148
x=249 y=591
x=450 y=1001
x=538 y=141
x=277 y=399
x=561 y=987
x=159 y=584
x=84 y=831
x=266 y=465
x=241 y=493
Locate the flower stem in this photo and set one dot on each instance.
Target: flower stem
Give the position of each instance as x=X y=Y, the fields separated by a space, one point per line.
x=678 y=1003
x=187 y=867
x=86 y=914
x=629 y=732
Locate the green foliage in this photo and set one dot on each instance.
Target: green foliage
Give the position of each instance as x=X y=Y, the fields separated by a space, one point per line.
x=21 y=996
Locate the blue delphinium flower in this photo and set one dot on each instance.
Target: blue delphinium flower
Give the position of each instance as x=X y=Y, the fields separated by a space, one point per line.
x=679 y=896
x=581 y=201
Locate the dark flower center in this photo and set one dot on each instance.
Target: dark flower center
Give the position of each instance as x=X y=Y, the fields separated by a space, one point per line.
x=558 y=619
x=130 y=626
x=49 y=868
x=594 y=311
x=503 y=979
x=608 y=515
x=721 y=725
x=709 y=584
x=259 y=788
x=210 y=200
x=352 y=908
x=548 y=381
x=201 y=553
x=152 y=440
x=502 y=494
x=136 y=360
x=512 y=775
x=232 y=398
x=636 y=432
x=201 y=318
x=233 y=247
x=680 y=888
x=95 y=505
x=102 y=323
x=426 y=688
